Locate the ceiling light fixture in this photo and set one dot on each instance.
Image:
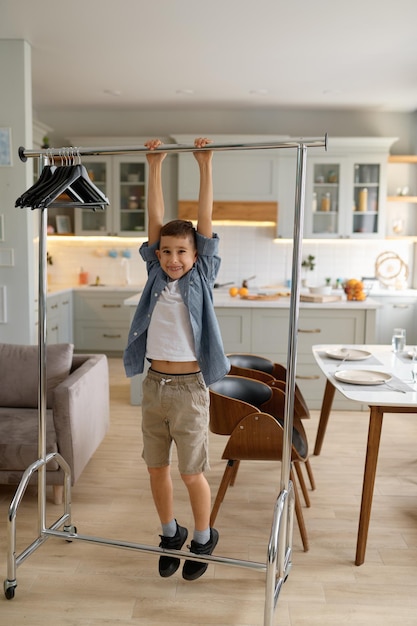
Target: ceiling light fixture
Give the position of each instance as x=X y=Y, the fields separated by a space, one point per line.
x=187 y=92
x=259 y=92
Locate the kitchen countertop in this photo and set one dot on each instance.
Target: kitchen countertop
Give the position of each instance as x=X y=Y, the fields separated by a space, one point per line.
x=393 y=293
x=60 y=289
x=222 y=299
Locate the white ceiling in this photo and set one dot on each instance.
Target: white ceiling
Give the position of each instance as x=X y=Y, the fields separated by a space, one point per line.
x=132 y=54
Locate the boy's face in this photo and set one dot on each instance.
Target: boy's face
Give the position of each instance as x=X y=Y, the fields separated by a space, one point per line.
x=176 y=255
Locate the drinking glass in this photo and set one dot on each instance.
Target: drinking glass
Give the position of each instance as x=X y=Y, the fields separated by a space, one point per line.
x=414 y=364
x=398 y=340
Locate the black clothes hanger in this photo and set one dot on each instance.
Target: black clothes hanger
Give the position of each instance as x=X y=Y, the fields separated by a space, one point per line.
x=86 y=189
x=44 y=178
x=68 y=178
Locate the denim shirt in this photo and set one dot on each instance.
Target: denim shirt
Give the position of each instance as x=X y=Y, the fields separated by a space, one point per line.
x=196 y=291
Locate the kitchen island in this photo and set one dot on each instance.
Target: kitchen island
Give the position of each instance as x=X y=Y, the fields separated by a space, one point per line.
x=261 y=327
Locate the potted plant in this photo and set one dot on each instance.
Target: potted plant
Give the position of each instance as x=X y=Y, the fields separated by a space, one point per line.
x=308 y=264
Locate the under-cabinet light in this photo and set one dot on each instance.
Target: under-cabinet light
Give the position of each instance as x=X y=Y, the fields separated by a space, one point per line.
x=96 y=238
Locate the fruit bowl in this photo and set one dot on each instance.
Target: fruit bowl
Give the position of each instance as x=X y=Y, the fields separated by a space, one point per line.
x=354 y=290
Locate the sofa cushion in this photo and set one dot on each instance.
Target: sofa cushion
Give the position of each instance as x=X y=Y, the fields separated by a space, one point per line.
x=19 y=373
x=19 y=438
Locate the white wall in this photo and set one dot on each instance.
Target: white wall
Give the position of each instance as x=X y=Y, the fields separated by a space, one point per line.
x=16 y=114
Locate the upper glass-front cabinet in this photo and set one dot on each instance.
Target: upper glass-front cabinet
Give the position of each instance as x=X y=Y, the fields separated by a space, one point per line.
x=123 y=180
x=366 y=194
x=325 y=201
x=88 y=222
x=343 y=197
x=131 y=190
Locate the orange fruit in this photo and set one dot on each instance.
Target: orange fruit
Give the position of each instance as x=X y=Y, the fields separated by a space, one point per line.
x=351 y=282
x=233 y=291
x=243 y=291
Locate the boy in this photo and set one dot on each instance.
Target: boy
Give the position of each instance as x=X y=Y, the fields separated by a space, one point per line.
x=176 y=329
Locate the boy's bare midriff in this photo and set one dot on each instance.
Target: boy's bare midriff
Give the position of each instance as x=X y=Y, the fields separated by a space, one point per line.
x=175 y=367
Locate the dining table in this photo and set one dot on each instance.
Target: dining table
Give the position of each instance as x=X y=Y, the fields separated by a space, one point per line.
x=376 y=377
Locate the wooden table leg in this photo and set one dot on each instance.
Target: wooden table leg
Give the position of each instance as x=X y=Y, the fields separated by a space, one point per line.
x=324 y=415
x=374 y=437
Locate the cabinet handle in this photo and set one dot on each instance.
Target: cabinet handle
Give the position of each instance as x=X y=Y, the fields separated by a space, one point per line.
x=54 y=306
x=54 y=328
x=111 y=306
x=400 y=306
x=313 y=330
x=315 y=377
x=65 y=302
x=111 y=336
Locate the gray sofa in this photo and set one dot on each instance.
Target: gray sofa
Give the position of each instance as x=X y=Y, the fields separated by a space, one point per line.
x=77 y=415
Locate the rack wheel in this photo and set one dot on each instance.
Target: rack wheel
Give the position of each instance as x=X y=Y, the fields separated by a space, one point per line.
x=70 y=529
x=9 y=589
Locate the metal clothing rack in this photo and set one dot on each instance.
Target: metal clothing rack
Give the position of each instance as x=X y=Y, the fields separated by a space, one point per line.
x=279 y=549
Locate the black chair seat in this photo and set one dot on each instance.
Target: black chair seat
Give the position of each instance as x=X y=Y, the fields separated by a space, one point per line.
x=252 y=361
x=245 y=389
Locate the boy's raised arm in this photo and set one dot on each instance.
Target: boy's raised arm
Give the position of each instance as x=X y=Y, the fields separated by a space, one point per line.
x=155 y=196
x=205 y=198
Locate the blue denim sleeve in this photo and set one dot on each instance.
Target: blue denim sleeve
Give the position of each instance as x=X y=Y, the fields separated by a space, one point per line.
x=147 y=252
x=208 y=260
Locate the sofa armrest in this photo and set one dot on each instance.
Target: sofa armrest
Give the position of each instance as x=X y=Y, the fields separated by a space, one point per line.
x=81 y=410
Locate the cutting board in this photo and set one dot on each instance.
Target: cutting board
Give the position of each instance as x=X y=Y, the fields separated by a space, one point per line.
x=270 y=296
x=312 y=297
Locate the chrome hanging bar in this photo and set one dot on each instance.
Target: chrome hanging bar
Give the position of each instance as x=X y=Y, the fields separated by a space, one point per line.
x=174 y=147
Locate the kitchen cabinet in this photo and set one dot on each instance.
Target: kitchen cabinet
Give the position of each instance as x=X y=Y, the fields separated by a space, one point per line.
x=266 y=333
x=102 y=321
x=123 y=180
x=59 y=318
x=236 y=177
x=397 y=311
x=236 y=326
x=402 y=196
x=345 y=189
x=244 y=182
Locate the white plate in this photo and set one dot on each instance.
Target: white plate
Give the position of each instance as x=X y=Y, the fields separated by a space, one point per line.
x=362 y=377
x=348 y=354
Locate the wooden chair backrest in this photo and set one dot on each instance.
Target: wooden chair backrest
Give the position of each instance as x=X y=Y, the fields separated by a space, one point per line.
x=226 y=413
x=235 y=370
x=233 y=397
x=258 y=437
x=301 y=410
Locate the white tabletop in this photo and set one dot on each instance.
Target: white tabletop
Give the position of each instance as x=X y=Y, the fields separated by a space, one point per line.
x=382 y=359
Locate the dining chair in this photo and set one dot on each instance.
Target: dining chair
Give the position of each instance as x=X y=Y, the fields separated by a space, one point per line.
x=273 y=374
x=246 y=410
x=276 y=370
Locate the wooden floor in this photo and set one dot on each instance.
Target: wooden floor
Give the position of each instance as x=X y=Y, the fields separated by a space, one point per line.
x=82 y=584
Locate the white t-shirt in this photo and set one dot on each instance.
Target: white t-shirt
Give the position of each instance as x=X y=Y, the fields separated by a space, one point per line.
x=170 y=336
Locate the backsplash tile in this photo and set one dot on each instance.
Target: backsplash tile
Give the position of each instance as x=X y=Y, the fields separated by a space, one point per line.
x=245 y=251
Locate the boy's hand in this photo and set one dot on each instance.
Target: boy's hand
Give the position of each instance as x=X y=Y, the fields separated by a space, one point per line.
x=158 y=157
x=206 y=155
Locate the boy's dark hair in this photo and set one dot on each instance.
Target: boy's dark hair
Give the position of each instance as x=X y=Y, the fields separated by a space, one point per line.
x=179 y=228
